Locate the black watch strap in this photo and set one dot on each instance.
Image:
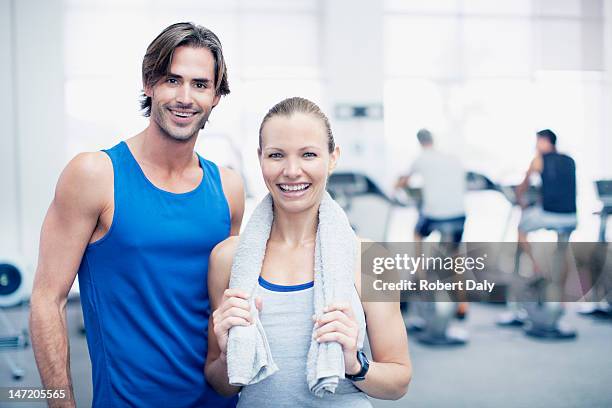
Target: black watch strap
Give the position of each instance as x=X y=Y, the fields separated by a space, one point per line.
x=365 y=365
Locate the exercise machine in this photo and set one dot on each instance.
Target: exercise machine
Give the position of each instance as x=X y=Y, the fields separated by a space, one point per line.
x=600 y=285
x=540 y=318
x=13 y=292
x=432 y=321
x=367 y=207
x=369 y=211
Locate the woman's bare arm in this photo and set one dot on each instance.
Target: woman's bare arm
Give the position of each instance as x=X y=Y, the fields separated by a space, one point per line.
x=219 y=269
x=391 y=370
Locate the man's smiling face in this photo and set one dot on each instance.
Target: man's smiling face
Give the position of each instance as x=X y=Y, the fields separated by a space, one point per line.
x=182 y=100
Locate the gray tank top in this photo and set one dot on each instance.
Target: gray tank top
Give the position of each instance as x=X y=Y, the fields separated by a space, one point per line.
x=287 y=319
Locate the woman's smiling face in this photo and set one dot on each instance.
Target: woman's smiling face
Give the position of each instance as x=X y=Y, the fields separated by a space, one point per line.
x=295 y=160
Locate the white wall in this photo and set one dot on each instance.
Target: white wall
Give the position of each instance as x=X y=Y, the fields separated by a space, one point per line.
x=352 y=57
x=33 y=132
x=271 y=49
x=606 y=147
x=334 y=52
x=9 y=216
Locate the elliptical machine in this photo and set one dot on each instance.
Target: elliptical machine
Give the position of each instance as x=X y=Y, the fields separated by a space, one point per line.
x=369 y=211
x=432 y=321
x=544 y=316
x=540 y=318
x=434 y=314
x=433 y=318
x=601 y=286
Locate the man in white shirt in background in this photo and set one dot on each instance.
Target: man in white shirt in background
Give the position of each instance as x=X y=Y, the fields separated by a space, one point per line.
x=442 y=208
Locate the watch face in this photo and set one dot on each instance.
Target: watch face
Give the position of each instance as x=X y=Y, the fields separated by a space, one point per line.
x=364 y=362
x=365 y=365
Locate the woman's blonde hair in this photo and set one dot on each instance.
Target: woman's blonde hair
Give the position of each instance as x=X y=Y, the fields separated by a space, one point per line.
x=294 y=105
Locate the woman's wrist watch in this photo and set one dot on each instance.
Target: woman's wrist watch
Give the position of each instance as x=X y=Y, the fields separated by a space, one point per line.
x=365 y=365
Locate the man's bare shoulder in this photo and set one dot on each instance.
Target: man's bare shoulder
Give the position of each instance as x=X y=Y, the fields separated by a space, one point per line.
x=229 y=173
x=87 y=180
x=220 y=265
x=89 y=166
x=231 y=180
x=537 y=164
x=223 y=254
x=233 y=188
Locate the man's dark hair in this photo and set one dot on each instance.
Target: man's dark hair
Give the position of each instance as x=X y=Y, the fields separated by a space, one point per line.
x=424 y=137
x=548 y=134
x=157 y=60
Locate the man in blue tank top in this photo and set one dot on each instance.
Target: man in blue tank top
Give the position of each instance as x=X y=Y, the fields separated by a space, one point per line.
x=557 y=209
x=138 y=222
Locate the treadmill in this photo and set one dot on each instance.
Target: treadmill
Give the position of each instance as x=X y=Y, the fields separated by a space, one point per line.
x=367 y=207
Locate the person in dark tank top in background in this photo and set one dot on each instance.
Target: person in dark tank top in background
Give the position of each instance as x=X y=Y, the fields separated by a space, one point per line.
x=138 y=222
x=557 y=208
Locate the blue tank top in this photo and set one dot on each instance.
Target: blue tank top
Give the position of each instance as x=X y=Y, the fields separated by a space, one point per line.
x=144 y=290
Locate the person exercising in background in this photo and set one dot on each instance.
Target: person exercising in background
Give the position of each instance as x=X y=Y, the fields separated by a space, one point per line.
x=138 y=222
x=558 y=206
x=442 y=207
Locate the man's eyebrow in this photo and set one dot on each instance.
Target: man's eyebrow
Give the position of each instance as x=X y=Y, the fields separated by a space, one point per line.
x=177 y=76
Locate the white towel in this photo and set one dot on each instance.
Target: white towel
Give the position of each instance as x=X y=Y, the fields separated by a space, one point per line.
x=249 y=359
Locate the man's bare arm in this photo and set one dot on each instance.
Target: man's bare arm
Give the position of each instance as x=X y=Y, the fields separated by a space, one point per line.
x=80 y=198
x=402 y=181
x=233 y=188
x=534 y=167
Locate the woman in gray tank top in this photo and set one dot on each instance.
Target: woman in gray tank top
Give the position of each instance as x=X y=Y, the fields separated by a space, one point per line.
x=297 y=154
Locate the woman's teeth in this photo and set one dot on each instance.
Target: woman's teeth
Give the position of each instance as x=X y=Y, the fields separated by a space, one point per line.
x=293 y=187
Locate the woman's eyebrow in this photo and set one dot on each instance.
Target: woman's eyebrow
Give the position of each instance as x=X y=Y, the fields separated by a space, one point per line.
x=310 y=147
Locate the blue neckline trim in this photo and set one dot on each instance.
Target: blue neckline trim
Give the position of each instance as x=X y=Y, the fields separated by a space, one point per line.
x=200 y=185
x=284 y=288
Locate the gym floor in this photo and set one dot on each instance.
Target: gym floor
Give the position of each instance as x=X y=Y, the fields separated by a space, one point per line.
x=499 y=367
